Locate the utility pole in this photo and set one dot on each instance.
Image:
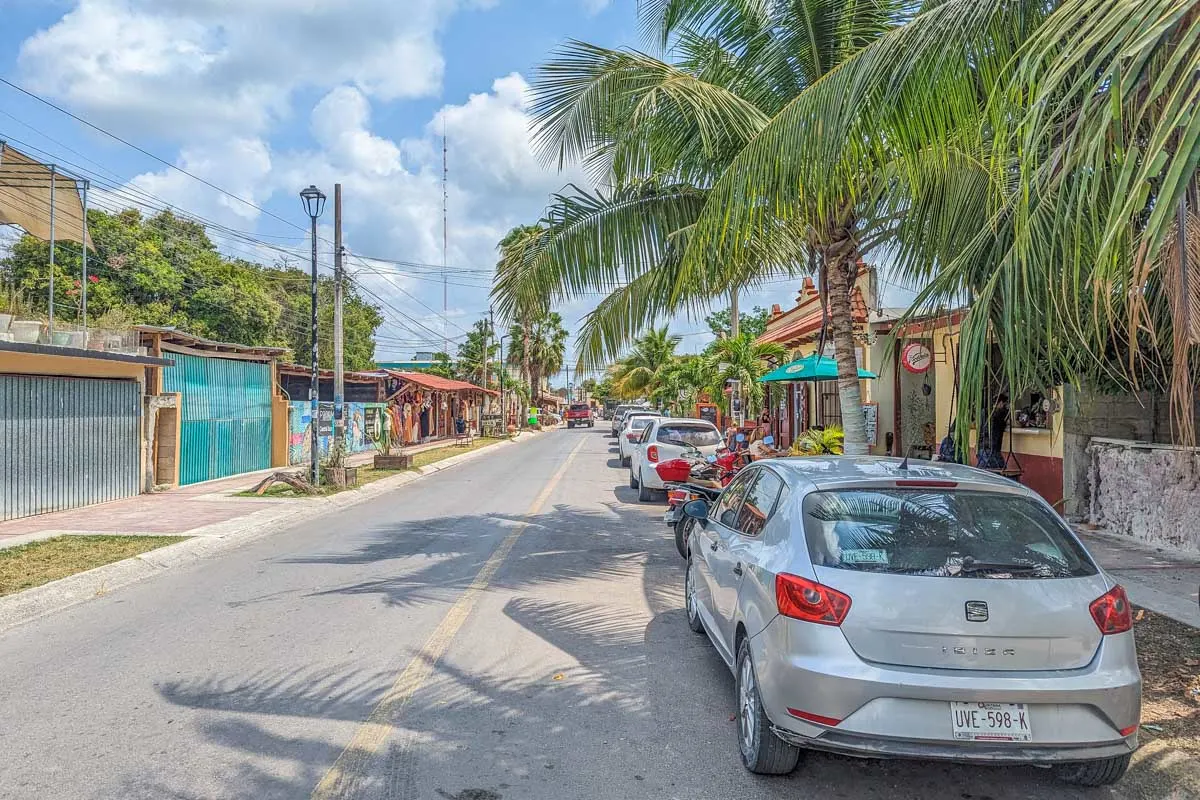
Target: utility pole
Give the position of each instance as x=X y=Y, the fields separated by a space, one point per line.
x=487 y=351
x=50 y=301
x=339 y=365
x=445 y=240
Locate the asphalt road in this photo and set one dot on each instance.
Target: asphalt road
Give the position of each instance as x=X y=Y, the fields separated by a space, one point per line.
x=510 y=628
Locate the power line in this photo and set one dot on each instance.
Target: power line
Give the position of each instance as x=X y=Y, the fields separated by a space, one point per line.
x=146 y=153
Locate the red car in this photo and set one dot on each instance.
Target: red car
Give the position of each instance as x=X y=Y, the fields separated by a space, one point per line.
x=580 y=414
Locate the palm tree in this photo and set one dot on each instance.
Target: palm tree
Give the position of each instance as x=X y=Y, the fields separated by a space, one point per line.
x=682 y=381
x=547 y=349
x=744 y=359
x=639 y=373
x=663 y=134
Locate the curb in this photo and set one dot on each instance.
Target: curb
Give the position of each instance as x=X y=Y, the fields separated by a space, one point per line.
x=210 y=540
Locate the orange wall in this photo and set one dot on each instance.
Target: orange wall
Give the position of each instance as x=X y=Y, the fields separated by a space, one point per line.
x=68 y=366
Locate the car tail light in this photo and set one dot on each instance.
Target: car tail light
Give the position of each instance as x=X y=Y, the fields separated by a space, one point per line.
x=1111 y=611
x=652 y=453
x=1127 y=731
x=800 y=598
x=808 y=716
x=633 y=437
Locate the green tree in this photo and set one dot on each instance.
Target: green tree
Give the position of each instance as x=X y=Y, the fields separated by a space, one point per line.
x=638 y=374
x=752 y=322
x=745 y=360
x=477 y=352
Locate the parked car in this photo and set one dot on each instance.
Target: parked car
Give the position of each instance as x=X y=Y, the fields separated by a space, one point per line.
x=933 y=612
x=618 y=417
x=631 y=433
x=579 y=414
x=665 y=438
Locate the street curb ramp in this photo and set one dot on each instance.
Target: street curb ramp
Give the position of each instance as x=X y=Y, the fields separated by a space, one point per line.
x=210 y=540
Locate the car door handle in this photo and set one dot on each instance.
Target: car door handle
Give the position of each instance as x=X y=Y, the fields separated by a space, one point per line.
x=737 y=570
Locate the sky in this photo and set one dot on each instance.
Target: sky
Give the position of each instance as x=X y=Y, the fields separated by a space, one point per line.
x=264 y=97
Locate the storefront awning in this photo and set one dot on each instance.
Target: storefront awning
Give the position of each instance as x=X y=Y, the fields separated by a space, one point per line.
x=810 y=368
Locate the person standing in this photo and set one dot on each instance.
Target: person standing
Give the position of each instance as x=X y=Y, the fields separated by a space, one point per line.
x=991 y=438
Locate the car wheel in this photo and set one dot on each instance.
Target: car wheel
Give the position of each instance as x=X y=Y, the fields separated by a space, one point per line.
x=762 y=751
x=691 y=601
x=1094 y=773
x=683 y=529
x=645 y=495
x=633 y=482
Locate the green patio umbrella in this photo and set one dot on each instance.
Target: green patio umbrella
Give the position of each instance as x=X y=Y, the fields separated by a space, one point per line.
x=809 y=368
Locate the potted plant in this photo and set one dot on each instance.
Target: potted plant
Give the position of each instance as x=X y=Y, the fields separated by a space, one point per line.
x=335 y=471
x=384 y=459
x=814 y=442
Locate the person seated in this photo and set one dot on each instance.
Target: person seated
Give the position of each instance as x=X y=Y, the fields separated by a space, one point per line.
x=759 y=448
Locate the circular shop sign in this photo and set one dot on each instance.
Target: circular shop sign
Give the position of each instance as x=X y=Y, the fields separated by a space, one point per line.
x=915 y=357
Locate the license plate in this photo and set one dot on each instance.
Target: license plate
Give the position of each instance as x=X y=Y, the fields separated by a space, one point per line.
x=990 y=722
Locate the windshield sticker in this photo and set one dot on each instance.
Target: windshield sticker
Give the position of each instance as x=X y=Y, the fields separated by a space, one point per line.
x=864 y=557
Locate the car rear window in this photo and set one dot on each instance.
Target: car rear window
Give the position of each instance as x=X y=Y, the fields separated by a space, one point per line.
x=580 y=406
x=945 y=533
x=689 y=433
x=637 y=423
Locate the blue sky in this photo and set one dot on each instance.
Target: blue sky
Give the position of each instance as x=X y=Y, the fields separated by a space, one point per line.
x=263 y=97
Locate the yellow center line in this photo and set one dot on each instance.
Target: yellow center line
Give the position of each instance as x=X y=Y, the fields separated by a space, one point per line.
x=350 y=769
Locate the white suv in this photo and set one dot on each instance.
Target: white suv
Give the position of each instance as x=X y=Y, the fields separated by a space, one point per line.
x=666 y=438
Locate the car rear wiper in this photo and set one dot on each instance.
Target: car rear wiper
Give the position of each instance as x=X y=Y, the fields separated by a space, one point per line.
x=971 y=565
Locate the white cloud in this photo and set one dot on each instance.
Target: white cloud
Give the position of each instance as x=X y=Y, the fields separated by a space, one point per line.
x=594 y=7
x=174 y=66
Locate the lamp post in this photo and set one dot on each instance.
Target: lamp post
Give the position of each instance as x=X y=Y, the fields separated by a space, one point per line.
x=503 y=386
x=314 y=204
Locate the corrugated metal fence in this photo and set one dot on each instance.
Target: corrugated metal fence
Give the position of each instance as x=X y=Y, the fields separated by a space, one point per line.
x=226 y=422
x=67 y=442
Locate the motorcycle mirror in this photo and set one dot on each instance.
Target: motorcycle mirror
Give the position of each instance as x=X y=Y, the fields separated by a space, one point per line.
x=711 y=459
x=768 y=440
x=741 y=437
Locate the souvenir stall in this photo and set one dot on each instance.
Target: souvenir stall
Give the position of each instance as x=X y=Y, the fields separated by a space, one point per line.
x=425 y=408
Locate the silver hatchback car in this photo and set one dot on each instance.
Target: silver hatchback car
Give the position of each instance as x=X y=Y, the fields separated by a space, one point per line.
x=879 y=609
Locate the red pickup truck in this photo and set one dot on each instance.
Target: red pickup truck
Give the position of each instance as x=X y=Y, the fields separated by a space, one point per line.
x=580 y=414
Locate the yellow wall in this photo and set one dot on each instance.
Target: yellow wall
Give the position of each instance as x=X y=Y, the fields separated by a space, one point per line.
x=68 y=366
x=1047 y=442
x=279 y=431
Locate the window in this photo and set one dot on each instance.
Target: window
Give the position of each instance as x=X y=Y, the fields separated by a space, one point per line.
x=726 y=510
x=968 y=534
x=646 y=434
x=637 y=423
x=580 y=407
x=692 y=433
x=759 y=504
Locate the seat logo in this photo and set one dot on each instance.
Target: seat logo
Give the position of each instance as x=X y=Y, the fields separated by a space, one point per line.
x=977 y=611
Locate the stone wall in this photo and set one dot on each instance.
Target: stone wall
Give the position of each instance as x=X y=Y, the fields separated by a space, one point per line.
x=1146 y=491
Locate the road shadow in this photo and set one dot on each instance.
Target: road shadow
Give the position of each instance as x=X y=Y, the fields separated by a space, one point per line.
x=640 y=707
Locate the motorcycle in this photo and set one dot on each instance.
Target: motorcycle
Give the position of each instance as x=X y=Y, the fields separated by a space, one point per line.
x=695 y=477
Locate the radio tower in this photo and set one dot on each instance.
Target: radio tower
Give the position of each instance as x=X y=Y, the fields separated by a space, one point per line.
x=445 y=240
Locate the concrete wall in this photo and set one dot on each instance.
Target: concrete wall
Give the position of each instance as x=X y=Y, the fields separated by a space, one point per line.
x=1146 y=491
x=1141 y=417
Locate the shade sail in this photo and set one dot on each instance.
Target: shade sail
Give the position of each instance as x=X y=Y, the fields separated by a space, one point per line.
x=810 y=368
x=25 y=198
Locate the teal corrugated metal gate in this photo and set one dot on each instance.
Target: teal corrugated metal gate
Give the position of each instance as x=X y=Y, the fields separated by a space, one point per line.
x=226 y=423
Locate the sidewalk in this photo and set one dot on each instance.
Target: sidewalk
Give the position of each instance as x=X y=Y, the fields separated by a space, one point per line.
x=201 y=509
x=1162 y=580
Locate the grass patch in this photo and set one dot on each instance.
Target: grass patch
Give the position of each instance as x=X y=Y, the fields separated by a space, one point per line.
x=428 y=457
x=370 y=474
x=33 y=564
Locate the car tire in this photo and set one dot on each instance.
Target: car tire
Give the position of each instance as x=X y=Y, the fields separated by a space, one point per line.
x=1104 y=772
x=633 y=482
x=570 y=425
x=691 y=602
x=683 y=529
x=645 y=493
x=763 y=753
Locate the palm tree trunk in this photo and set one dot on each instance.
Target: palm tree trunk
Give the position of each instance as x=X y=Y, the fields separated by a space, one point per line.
x=840 y=262
x=525 y=366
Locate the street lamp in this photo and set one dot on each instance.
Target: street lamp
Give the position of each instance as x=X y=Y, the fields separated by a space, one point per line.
x=503 y=385
x=314 y=204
